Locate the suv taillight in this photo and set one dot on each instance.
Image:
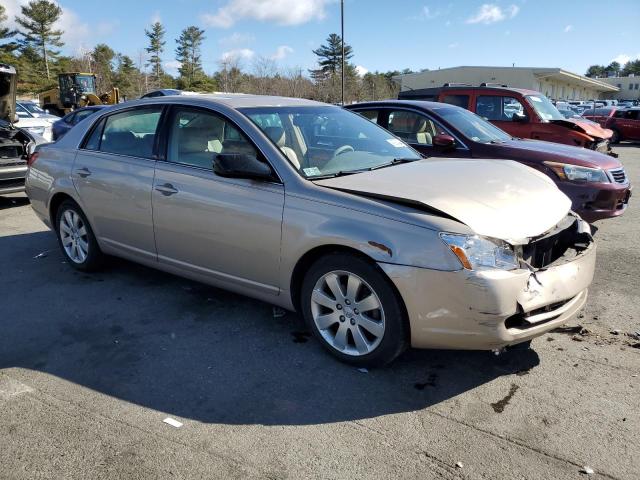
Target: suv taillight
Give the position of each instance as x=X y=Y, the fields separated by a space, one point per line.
x=31 y=159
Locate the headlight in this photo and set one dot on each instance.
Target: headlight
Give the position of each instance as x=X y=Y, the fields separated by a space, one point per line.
x=481 y=253
x=578 y=174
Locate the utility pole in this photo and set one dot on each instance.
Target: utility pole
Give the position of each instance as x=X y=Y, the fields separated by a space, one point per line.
x=342 y=37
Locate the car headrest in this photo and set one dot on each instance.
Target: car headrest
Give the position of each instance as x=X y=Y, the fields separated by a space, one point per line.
x=276 y=134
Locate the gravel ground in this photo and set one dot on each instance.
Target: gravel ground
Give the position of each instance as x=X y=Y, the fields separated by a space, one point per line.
x=91 y=365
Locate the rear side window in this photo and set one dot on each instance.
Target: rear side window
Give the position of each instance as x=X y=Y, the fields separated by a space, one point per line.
x=81 y=115
x=369 y=115
x=457 y=100
x=132 y=132
x=497 y=107
x=413 y=128
x=93 y=142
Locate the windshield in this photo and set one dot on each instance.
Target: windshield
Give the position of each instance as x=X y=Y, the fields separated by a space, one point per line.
x=325 y=140
x=473 y=126
x=544 y=108
x=33 y=108
x=86 y=83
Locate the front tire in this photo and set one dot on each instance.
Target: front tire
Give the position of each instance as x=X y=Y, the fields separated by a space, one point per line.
x=76 y=238
x=354 y=311
x=615 y=138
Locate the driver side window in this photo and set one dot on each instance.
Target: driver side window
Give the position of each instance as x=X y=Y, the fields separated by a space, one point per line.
x=197 y=136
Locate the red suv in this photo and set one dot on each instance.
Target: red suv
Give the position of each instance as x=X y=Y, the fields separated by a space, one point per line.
x=623 y=122
x=519 y=112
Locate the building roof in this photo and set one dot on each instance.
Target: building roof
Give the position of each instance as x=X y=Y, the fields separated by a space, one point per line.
x=540 y=72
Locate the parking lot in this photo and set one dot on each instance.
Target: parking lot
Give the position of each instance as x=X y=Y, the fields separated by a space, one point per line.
x=91 y=365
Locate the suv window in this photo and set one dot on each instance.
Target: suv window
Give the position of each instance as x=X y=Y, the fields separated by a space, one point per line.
x=497 y=107
x=131 y=132
x=457 y=100
x=604 y=112
x=197 y=136
x=413 y=127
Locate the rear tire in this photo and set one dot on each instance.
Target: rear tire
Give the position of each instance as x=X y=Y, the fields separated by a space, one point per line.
x=76 y=238
x=354 y=311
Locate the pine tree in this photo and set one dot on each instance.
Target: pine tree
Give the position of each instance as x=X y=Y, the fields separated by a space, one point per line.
x=155 y=48
x=37 y=22
x=7 y=46
x=102 y=57
x=189 y=56
x=330 y=57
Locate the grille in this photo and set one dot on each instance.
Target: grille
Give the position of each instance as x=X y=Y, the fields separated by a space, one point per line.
x=618 y=175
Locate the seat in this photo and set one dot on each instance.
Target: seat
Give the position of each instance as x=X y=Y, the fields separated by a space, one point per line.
x=423 y=137
x=124 y=143
x=278 y=136
x=193 y=146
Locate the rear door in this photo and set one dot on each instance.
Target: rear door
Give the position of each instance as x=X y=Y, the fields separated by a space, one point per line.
x=225 y=230
x=113 y=174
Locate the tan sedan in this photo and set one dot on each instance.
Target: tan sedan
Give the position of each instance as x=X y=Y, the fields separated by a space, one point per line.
x=315 y=209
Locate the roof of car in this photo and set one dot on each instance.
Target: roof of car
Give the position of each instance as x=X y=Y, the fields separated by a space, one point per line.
x=236 y=100
x=417 y=103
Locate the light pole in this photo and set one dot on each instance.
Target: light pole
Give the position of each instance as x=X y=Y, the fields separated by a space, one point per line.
x=342 y=37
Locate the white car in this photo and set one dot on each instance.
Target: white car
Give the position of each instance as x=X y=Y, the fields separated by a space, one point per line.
x=38 y=123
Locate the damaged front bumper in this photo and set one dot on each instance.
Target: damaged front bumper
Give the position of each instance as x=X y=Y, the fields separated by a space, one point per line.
x=491 y=309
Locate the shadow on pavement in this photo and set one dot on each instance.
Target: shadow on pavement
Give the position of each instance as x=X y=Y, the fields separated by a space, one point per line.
x=198 y=352
x=13 y=201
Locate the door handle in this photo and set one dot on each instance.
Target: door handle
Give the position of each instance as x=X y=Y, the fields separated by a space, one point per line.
x=167 y=189
x=83 y=172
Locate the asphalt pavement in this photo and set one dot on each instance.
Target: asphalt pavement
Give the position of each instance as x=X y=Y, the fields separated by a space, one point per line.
x=91 y=365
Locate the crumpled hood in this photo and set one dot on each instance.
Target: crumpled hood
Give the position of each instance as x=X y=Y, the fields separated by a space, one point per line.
x=495 y=198
x=591 y=129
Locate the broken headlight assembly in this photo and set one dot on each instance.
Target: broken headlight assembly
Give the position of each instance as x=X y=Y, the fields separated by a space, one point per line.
x=481 y=253
x=576 y=173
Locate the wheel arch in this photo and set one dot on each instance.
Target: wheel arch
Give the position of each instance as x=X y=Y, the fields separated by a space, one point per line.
x=310 y=257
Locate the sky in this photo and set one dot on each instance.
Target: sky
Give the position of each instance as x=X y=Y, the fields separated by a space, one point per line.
x=384 y=34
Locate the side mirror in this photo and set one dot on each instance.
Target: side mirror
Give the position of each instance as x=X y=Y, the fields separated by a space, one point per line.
x=444 y=141
x=519 y=118
x=238 y=165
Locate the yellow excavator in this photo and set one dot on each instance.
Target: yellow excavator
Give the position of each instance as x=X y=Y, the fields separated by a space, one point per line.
x=76 y=90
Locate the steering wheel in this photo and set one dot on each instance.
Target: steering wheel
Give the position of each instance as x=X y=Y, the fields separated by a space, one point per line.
x=343 y=149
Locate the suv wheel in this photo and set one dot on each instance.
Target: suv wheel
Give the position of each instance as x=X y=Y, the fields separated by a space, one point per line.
x=615 y=138
x=76 y=239
x=354 y=311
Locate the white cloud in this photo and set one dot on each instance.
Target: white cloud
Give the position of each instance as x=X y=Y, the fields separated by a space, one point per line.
x=491 y=13
x=281 y=52
x=624 y=58
x=281 y=12
x=236 y=39
x=237 y=54
x=568 y=28
x=454 y=45
x=361 y=71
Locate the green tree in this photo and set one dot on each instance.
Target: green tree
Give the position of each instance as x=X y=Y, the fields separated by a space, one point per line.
x=632 y=66
x=37 y=22
x=596 y=71
x=189 y=55
x=127 y=77
x=102 y=58
x=330 y=57
x=7 y=45
x=615 y=68
x=155 y=48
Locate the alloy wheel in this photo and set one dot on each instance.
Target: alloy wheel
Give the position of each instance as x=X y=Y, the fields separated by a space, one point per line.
x=348 y=313
x=74 y=236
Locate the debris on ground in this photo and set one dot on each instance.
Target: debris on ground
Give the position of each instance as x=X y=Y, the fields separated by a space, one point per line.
x=300 y=337
x=279 y=312
x=459 y=465
x=363 y=370
x=172 y=422
x=41 y=255
x=615 y=331
x=587 y=470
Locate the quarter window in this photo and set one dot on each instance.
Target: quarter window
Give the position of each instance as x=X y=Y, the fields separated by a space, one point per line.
x=498 y=107
x=132 y=132
x=197 y=136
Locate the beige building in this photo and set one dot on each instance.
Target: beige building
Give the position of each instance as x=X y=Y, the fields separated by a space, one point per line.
x=555 y=83
x=628 y=87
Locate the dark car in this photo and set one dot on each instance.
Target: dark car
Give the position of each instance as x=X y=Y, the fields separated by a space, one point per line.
x=519 y=112
x=596 y=183
x=66 y=123
x=164 y=92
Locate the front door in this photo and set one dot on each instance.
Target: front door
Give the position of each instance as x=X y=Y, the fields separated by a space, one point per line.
x=113 y=175
x=225 y=229
x=501 y=110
